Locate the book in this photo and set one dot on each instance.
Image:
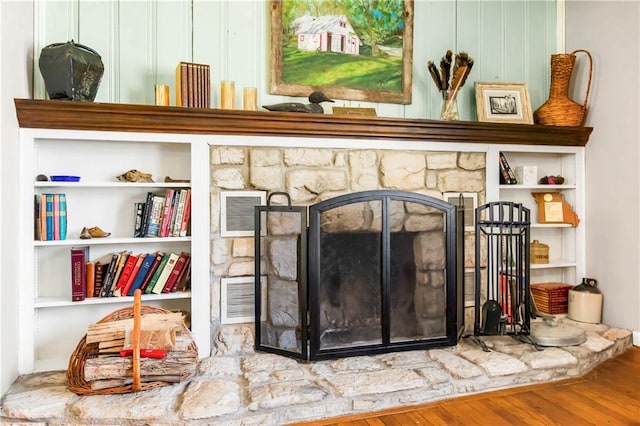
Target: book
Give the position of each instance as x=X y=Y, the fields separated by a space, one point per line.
x=63 y=216
x=186 y=215
x=155 y=216
x=143 y=270
x=165 y=221
x=37 y=227
x=152 y=270
x=127 y=269
x=166 y=272
x=156 y=274
x=134 y=273
x=172 y=281
x=79 y=258
x=110 y=275
x=91 y=276
x=177 y=221
x=184 y=282
x=122 y=260
x=174 y=211
x=181 y=84
x=137 y=218
x=101 y=267
x=48 y=216
x=146 y=213
x=508 y=176
x=56 y=216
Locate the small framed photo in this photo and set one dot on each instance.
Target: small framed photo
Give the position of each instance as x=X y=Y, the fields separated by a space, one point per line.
x=503 y=103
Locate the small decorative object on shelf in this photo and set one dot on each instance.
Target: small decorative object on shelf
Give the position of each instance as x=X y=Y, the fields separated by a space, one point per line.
x=93 y=232
x=539 y=252
x=134 y=175
x=449 y=82
x=551 y=180
x=315 y=99
x=71 y=71
x=559 y=110
x=553 y=208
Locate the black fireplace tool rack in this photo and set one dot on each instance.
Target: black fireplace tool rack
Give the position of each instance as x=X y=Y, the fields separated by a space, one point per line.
x=502 y=296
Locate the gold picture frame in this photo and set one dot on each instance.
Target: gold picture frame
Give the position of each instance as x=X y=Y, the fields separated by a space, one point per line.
x=310 y=52
x=503 y=103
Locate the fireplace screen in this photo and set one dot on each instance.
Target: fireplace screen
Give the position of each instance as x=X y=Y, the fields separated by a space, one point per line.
x=384 y=274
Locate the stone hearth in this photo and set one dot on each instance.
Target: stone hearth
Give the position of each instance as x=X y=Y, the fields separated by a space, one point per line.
x=265 y=389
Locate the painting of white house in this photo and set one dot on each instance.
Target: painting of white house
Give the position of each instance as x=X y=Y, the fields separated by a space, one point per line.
x=349 y=50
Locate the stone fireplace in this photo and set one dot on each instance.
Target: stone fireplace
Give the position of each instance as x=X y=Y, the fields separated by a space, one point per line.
x=383 y=275
x=315 y=176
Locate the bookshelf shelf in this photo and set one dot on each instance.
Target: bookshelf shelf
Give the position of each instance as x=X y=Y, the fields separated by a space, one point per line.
x=110 y=241
x=52 y=302
x=119 y=185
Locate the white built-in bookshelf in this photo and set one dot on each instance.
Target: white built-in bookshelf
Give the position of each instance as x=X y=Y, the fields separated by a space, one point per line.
x=51 y=323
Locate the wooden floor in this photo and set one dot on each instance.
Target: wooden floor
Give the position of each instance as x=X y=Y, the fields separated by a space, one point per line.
x=607 y=395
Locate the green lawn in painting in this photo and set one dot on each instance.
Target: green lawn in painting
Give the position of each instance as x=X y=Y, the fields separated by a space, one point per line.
x=362 y=72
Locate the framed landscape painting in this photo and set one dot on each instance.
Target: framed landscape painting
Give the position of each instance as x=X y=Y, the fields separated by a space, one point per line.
x=354 y=50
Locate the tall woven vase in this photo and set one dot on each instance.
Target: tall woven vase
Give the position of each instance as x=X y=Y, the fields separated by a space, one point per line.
x=559 y=110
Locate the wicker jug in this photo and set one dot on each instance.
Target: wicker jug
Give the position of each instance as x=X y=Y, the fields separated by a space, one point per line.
x=559 y=110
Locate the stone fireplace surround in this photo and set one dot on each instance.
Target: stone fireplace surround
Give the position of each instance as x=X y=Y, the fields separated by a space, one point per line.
x=315 y=174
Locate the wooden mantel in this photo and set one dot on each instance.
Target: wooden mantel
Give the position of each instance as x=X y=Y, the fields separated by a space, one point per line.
x=158 y=119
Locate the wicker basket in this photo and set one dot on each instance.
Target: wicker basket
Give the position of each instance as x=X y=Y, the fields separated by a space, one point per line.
x=559 y=110
x=75 y=370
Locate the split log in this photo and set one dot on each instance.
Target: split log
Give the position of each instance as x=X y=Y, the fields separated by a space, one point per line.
x=177 y=363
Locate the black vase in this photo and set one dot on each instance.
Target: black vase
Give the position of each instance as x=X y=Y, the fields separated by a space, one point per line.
x=71 y=71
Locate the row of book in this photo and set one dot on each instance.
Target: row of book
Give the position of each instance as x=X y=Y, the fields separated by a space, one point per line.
x=164 y=215
x=121 y=273
x=50 y=217
x=193 y=85
x=507 y=175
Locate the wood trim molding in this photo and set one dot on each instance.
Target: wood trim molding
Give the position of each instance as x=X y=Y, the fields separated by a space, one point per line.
x=161 y=119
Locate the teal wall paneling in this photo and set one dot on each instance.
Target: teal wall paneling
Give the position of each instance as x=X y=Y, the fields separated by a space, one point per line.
x=142 y=41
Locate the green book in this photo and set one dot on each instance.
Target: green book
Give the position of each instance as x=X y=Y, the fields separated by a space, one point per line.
x=156 y=275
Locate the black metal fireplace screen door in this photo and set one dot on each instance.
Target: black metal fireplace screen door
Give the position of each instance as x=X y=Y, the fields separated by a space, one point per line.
x=281 y=251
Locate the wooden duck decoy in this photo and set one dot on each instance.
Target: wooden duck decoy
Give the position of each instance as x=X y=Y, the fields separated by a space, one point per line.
x=315 y=98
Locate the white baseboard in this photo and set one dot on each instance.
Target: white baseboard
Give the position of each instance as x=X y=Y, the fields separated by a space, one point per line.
x=636 y=338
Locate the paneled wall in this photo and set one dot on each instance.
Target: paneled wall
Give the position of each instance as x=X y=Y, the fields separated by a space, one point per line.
x=141 y=43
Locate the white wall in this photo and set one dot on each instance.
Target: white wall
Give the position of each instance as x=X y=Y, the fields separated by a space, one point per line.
x=16 y=58
x=610 y=31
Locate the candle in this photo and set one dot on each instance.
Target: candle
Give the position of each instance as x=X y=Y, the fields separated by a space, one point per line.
x=162 y=94
x=227 y=94
x=250 y=99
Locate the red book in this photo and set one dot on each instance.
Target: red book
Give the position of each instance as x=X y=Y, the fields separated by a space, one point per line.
x=132 y=276
x=186 y=215
x=129 y=264
x=79 y=258
x=166 y=214
x=172 y=281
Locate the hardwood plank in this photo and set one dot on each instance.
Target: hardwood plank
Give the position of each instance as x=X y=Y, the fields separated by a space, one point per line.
x=609 y=394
